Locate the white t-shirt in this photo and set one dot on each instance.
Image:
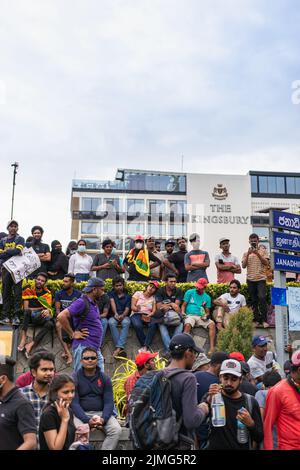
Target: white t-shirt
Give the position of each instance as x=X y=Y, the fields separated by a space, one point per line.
x=234 y=303
x=79 y=264
x=258 y=367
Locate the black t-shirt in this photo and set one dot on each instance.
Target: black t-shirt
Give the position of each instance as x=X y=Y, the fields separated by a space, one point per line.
x=16 y=419
x=225 y=437
x=59 y=266
x=133 y=274
x=39 y=248
x=104 y=303
x=178 y=260
x=162 y=296
x=51 y=420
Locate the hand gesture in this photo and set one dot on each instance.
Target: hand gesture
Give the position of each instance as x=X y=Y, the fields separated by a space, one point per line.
x=45 y=313
x=81 y=334
x=62 y=408
x=213 y=389
x=244 y=416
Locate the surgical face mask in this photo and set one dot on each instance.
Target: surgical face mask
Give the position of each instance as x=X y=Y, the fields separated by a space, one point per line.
x=81 y=248
x=139 y=245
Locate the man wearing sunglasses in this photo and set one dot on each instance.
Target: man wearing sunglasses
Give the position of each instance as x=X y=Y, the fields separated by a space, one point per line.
x=93 y=402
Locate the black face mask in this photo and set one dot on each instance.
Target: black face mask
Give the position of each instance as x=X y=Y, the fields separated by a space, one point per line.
x=57 y=250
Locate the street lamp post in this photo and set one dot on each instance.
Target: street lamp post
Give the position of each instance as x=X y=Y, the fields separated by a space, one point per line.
x=16 y=166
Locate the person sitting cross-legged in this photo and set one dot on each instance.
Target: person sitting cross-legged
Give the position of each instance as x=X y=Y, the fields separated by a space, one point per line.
x=196 y=305
x=93 y=402
x=228 y=304
x=120 y=304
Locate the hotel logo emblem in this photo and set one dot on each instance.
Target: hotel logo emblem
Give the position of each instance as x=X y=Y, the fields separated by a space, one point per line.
x=220 y=192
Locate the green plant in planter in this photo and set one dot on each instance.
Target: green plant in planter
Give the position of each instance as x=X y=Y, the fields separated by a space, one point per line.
x=238 y=334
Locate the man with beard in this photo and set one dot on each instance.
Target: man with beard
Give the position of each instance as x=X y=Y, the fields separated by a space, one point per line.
x=17 y=420
x=63 y=299
x=38 y=311
x=85 y=316
x=10 y=246
x=238 y=407
x=42 y=367
x=41 y=249
x=59 y=263
x=175 y=261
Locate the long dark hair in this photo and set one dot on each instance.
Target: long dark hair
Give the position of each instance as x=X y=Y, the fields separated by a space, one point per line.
x=57 y=383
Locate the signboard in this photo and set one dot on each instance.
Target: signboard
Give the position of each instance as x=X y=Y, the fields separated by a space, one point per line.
x=285 y=241
x=294 y=308
x=285 y=221
x=286 y=263
x=23 y=265
x=278 y=296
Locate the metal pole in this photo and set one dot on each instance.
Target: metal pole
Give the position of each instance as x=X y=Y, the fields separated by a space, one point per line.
x=281 y=321
x=15 y=165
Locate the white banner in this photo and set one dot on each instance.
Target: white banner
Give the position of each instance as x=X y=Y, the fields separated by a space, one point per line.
x=23 y=265
x=294 y=308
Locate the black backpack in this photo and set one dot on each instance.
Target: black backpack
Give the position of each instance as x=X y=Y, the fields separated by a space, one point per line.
x=152 y=418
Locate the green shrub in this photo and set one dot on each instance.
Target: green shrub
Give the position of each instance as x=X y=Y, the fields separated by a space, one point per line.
x=238 y=335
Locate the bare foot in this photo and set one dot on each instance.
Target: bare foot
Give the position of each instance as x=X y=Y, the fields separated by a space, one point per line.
x=266 y=325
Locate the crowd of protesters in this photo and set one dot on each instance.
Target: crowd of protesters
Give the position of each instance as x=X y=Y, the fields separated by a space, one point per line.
x=49 y=411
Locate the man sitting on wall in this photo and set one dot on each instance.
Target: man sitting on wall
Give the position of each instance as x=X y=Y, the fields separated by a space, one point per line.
x=228 y=304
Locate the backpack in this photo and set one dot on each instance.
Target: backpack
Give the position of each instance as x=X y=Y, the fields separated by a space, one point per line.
x=152 y=419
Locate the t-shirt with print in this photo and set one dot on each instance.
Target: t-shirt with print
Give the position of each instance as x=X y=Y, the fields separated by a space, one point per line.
x=234 y=303
x=258 y=367
x=225 y=277
x=196 y=256
x=65 y=299
x=146 y=304
x=162 y=296
x=196 y=303
x=39 y=248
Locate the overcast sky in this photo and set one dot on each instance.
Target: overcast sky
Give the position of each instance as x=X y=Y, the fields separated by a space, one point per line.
x=89 y=86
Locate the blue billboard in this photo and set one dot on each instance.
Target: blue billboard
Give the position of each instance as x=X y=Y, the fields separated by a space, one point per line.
x=285 y=241
x=285 y=221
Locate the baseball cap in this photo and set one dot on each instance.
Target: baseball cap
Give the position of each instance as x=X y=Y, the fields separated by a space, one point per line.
x=155 y=283
x=94 y=282
x=150 y=238
x=201 y=360
x=170 y=242
x=138 y=237
x=12 y=222
x=224 y=240
x=259 y=341
x=202 y=282
x=144 y=357
x=245 y=367
x=231 y=366
x=193 y=236
x=183 y=341
x=295 y=359
x=237 y=355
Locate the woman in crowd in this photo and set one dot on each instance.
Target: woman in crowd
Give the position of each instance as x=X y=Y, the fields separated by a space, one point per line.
x=57 y=430
x=143 y=307
x=58 y=266
x=80 y=263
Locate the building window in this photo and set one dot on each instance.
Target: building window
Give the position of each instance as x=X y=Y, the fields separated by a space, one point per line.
x=112 y=228
x=135 y=206
x=293 y=185
x=177 y=207
x=263 y=184
x=271 y=184
x=178 y=230
x=254 y=187
x=92 y=243
x=90 y=228
x=118 y=242
x=111 y=205
x=156 y=230
x=156 y=206
x=91 y=204
x=134 y=228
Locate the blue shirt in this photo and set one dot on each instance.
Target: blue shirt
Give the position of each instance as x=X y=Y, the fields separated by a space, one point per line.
x=121 y=302
x=204 y=381
x=65 y=299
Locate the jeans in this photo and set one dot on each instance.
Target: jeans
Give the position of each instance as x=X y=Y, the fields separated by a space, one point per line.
x=119 y=339
x=81 y=277
x=77 y=358
x=258 y=300
x=11 y=295
x=138 y=325
x=46 y=324
x=104 y=322
x=111 y=429
x=165 y=334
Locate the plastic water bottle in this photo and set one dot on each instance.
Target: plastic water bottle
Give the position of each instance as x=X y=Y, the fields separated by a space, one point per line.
x=218 y=411
x=242 y=431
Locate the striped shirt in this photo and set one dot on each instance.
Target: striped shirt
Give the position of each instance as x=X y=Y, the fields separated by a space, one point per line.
x=256 y=271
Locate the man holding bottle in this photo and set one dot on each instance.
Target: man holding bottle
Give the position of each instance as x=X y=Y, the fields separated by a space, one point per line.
x=235 y=417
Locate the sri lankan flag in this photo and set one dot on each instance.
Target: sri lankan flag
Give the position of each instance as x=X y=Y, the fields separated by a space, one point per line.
x=140 y=261
x=45 y=300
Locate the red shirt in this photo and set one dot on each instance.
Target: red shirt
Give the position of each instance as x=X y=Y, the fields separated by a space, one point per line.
x=283 y=410
x=24 y=379
x=130 y=383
